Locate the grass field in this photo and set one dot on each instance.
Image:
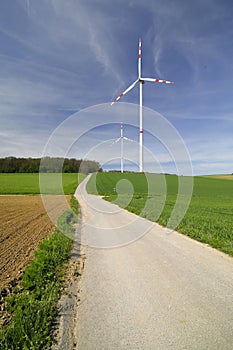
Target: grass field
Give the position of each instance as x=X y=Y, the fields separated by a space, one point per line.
x=208 y=218
x=30 y=183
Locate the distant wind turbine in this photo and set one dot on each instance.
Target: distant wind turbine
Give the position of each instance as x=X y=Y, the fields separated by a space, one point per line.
x=141 y=81
x=122 y=138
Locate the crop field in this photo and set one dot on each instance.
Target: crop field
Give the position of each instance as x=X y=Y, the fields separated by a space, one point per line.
x=30 y=183
x=226 y=177
x=208 y=218
x=24 y=223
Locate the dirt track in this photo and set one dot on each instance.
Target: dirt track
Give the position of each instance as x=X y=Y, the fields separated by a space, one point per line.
x=24 y=223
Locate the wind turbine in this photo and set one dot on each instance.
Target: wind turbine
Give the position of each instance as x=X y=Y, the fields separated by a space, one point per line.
x=141 y=81
x=122 y=138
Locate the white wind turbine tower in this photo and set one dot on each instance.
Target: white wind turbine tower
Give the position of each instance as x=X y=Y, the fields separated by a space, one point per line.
x=141 y=81
x=122 y=138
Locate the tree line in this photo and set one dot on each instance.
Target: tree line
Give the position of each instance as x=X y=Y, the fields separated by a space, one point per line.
x=48 y=165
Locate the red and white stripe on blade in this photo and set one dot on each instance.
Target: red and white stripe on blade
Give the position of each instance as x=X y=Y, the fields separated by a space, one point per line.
x=125 y=92
x=139 y=58
x=153 y=80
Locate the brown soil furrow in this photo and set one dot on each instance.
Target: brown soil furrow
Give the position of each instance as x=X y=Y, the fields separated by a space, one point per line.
x=24 y=223
x=29 y=234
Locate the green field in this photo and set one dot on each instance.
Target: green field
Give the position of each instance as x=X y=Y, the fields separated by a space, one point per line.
x=21 y=183
x=208 y=218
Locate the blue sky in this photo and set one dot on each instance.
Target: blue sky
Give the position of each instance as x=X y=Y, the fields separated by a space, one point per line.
x=59 y=57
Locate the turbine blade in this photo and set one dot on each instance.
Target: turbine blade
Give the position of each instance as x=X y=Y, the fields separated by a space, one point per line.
x=125 y=92
x=153 y=80
x=126 y=138
x=116 y=141
x=139 y=58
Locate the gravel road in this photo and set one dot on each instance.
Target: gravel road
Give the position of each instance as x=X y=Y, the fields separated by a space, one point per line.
x=161 y=291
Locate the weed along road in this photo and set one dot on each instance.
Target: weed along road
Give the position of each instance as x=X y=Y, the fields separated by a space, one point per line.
x=145 y=287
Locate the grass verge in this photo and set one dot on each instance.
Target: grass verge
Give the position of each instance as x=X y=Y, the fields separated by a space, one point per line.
x=34 y=309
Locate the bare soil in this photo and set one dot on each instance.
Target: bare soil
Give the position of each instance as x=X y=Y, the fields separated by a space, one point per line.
x=24 y=223
x=225 y=177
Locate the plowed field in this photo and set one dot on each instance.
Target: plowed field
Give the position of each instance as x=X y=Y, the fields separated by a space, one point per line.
x=23 y=224
x=230 y=177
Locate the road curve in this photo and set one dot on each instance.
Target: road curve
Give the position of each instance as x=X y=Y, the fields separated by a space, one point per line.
x=162 y=291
